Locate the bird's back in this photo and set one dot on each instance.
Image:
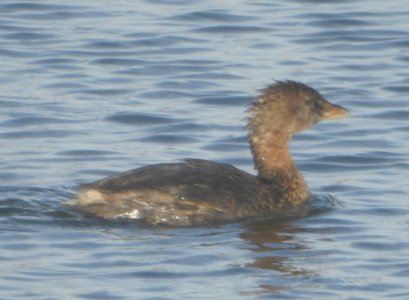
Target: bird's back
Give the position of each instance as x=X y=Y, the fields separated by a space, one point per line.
x=193 y=191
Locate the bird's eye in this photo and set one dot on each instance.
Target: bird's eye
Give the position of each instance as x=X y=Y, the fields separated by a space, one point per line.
x=317 y=106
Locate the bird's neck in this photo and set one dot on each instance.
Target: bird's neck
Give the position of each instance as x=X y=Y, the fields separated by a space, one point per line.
x=274 y=164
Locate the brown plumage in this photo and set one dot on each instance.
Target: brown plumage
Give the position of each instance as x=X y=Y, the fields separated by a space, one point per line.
x=199 y=192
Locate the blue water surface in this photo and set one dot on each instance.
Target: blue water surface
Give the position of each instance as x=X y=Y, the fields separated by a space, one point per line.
x=91 y=88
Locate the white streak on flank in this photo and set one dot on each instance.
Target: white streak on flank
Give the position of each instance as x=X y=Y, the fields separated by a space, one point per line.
x=134 y=214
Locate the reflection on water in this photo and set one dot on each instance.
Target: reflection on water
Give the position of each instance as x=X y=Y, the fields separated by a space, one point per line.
x=275 y=246
x=273 y=240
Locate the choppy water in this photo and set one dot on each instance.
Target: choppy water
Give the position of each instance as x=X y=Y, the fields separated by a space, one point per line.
x=89 y=88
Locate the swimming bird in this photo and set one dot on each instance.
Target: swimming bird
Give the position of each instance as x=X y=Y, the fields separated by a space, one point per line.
x=199 y=192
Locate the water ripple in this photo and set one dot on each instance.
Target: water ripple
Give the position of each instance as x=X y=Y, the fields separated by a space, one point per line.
x=138 y=119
